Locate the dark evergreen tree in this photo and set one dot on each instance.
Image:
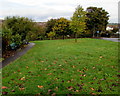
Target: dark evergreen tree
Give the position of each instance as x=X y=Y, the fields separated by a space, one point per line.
x=97 y=19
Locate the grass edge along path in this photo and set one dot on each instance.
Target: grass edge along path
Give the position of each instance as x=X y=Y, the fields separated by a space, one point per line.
x=89 y=66
x=16 y=55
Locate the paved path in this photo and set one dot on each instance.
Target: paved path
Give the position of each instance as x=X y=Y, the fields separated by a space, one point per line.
x=111 y=39
x=16 y=55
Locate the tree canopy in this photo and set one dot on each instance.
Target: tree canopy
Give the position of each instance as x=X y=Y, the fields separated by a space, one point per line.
x=78 y=23
x=61 y=27
x=50 y=24
x=17 y=30
x=97 y=19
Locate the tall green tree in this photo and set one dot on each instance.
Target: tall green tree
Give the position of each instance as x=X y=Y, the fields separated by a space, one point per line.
x=62 y=27
x=97 y=20
x=78 y=24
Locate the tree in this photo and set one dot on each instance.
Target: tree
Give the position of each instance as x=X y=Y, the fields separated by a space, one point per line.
x=50 y=24
x=62 y=27
x=41 y=32
x=97 y=20
x=51 y=35
x=78 y=21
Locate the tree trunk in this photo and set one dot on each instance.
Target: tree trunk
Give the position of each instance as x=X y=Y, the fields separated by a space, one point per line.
x=75 y=37
x=93 y=34
x=94 y=31
x=63 y=37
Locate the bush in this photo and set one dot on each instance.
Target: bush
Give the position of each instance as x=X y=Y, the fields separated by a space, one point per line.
x=6 y=38
x=17 y=30
x=16 y=39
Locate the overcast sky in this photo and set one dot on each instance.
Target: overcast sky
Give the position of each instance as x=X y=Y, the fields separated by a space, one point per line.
x=43 y=10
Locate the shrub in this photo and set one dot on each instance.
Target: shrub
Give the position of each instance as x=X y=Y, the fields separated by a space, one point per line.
x=17 y=30
x=6 y=38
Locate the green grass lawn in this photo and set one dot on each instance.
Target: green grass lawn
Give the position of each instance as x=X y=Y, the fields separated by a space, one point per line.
x=89 y=66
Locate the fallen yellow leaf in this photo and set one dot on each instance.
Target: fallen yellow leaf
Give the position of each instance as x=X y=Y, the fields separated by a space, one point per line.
x=21 y=88
x=27 y=67
x=14 y=72
x=23 y=78
x=73 y=66
x=101 y=56
x=40 y=86
x=4 y=87
x=93 y=93
x=92 y=88
x=49 y=73
x=77 y=90
x=84 y=75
